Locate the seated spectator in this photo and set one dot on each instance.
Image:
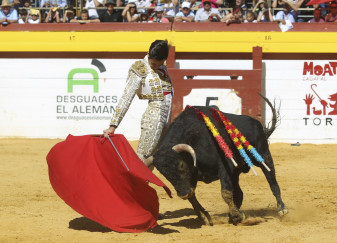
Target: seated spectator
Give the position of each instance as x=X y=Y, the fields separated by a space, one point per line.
x=84 y=18
x=158 y=16
x=91 y=5
x=59 y=4
x=233 y=18
x=141 y=4
x=68 y=14
x=53 y=15
x=34 y=17
x=207 y=13
x=292 y=8
x=23 y=13
x=285 y=14
x=150 y=11
x=144 y=17
x=7 y=14
x=171 y=9
x=185 y=15
x=250 y=17
x=130 y=13
x=317 y=17
x=111 y=15
x=214 y=3
x=332 y=15
x=260 y=6
x=265 y=15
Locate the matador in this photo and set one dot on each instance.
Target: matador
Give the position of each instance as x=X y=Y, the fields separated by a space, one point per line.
x=152 y=85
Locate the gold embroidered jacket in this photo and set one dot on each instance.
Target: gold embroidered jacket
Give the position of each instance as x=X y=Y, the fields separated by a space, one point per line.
x=146 y=83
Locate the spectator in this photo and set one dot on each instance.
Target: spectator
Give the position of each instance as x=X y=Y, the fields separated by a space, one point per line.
x=144 y=17
x=141 y=4
x=130 y=13
x=260 y=6
x=235 y=17
x=150 y=11
x=332 y=15
x=317 y=17
x=35 y=17
x=185 y=15
x=286 y=14
x=242 y=5
x=91 y=5
x=171 y=9
x=84 y=18
x=292 y=8
x=265 y=15
x=111 y=15
x=53 y=16
x=207 y=13
x=250 y=17
x=159 y=12
x=214 y=3
x=23 y=13
x=68 y=14
x=7 y=14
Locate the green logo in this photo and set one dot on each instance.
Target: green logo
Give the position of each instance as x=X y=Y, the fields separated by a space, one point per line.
x=72 y=81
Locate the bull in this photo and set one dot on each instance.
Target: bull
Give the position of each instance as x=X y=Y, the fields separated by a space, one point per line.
x=189 y=153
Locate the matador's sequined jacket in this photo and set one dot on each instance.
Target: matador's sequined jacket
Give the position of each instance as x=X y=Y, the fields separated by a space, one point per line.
x=146 y=83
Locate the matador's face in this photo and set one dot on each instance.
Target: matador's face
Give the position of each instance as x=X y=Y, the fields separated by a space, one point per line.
x=155 y=64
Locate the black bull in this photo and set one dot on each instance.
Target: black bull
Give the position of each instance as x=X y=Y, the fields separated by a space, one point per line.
x=188 y=136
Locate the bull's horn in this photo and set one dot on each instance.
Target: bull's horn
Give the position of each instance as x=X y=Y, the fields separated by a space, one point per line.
x=187 y=148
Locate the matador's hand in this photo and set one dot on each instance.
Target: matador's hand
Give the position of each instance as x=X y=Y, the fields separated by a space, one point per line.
x=109 y=131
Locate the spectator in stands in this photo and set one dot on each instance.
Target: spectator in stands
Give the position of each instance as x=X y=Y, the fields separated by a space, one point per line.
x=332 y=15
x=265 y=15
x=185 y=15
x=233 y=18
x=7 y=14
x=150 y=11
x=141 y=4
x=242 y=5
x=144 y=17
x=317 y=17
x=111 y=15
x=207 y=13
x=84 y=18
x=68 y=14
x=130 y=13
x=159 y=12
x=91 y=5
x=35 y=17
x=171 y=9
x=286 y=14
x=260 y=6
x=53 y=15
x=214 y=3
x=290 y=4
x=23 y=13
x=250 y=17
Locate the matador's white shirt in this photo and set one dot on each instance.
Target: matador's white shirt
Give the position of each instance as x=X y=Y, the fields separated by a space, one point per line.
x=146 y=83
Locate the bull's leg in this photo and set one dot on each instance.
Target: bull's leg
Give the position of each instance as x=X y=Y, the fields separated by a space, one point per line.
x=200 y=211
x=237 y=192
x=271 y=178
x=235 y=215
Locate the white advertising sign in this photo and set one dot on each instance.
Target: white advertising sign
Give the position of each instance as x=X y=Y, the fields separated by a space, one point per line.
x=51 y=98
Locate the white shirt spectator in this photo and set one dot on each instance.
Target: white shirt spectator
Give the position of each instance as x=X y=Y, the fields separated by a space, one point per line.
x=92 y=12
x=202 y=15
x=281 y=15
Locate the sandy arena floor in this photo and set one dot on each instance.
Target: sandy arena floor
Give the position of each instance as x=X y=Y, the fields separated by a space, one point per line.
x=30 y=211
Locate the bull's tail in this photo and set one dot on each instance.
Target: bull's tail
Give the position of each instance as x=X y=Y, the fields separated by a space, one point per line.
x=275 y=119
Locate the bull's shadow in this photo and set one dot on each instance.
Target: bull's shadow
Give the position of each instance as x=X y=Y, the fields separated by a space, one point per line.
x=252 y=213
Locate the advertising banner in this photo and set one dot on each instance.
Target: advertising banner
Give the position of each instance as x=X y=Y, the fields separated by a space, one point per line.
x=51 y=98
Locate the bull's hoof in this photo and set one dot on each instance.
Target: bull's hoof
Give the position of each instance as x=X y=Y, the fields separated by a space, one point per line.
x=206 y=218
x=236 y=217
x=283 y=212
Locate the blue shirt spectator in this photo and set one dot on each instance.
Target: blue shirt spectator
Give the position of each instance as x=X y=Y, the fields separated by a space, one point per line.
x=7 y=14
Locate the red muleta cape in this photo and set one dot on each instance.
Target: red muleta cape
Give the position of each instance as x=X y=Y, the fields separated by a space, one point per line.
x=88 y=174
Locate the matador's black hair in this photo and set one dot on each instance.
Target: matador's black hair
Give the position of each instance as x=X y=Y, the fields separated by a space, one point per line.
x=159 y=50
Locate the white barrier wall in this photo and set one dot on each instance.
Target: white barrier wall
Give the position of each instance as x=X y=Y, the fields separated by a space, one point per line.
x=51 y=98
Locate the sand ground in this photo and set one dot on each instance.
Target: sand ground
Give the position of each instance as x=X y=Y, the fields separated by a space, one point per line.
x=30 y=211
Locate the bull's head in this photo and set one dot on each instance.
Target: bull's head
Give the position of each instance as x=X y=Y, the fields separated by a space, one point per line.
x=178 y=164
